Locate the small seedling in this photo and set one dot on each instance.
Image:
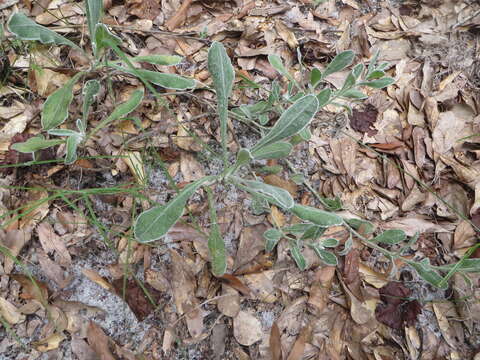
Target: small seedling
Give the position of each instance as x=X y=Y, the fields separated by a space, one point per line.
x=55 y=108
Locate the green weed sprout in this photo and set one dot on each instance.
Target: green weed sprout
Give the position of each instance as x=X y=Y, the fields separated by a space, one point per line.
x=55 y=109
x=277 y=142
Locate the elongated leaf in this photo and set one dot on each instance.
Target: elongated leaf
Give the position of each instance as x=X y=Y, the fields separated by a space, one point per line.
x=357 y=70
x=63 y=132
x=89 y=92
x=390 y=237
x=297 y=229
x=323 y=97
x=339 y=62
x=298 y=257
x=154 y=223
x=329 y=243
x=293 y=120
x=34 y=144
x=94 y=12
x=121 y=110
x=428 y=274
x=104 y=38
x=280 y=196
x=55 y=108
x=168 y=81
x=315 y=77
x=277 y=64
x=379 y=83
x=272 y=237
x=467 y=265
x=27 y=29
x=216 y=245
x=326 y=256
x=71 y=148
x=354 y=94
x=316 y=216
x=221 y=70
x=166 y=60
x=313 y=232
x=276 y=150
x=376 y=74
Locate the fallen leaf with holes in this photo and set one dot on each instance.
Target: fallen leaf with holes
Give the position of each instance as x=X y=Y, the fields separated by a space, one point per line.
x=10 y=313
x=247 y=329
x=397 y=310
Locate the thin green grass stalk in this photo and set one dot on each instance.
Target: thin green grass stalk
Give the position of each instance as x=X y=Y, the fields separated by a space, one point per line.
x=103 y=230
x=12 y=333
x=33 y=206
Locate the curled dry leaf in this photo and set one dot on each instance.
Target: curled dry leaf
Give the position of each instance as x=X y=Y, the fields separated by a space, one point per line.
x=10 y=313
x=247 y=329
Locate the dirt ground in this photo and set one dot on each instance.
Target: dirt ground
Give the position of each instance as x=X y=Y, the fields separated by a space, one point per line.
x=406 y=158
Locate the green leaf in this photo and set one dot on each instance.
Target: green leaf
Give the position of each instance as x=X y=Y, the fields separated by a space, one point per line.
x=90 y=91
x=104 y=38
x=273 y=194
x=121 y=110
x=274 y=93
x=354 y=94
x=323 y=97
x=467 y=265
x=55 y=108
x=339 y=62
x=166 y=60
x=276 y=150
x=298 y=257
x=27 y=29
x=272 y=237
x=298 y=179
x=331 y=243
x=94 y=12
x=243 y=157
x=313 y=232
x=428 y=274
x=390 y=237
x=154 y=223
x=316 y=216
x=315 y=77
x=357 y=70
x=63 y=132
x=277 y=64
x=72 y=144
x=379 y=83
x=332 y=204
x=376 y=74
x=216 y=245
x=293 y=120
x=34 y=144
x=168 y=81
x=221 y=69
x=349 y=82
x=326 y=256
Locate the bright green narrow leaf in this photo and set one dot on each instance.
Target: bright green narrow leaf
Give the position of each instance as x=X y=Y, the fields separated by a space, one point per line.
x=71 y=152
x=390 y=237
x=329 y=243
x=298 y=257
x=428 y=274
x=276 y=150
x=293 y=120
x=154 y=223
x=104 y=38
x=315 y=77
x=279 y=196
x=94 y=12
x=272 y=237
x=121 y=110
x=379 y=83
x=354 y=94
x=216 y=245
x=316 y=216
x=89 y=92
x=326 y=256
x=166 y=60
x=339 y=62
x=55 y=108
x=34 y=144
x=221 y=70
x=27 y=29
x=323 y=97
x=168 y=81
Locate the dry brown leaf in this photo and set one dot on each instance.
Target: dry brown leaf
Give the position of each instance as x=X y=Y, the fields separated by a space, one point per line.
x=247 y=329
x=32 y=289
x=99 y=280
x=82 y=350
x=53 y=271
x=236 y=283
x=99 y=342
x=49 y=343
x=251 y=243
x=464 y=236
x=276 y=180
x=34 y=212
x=191 y=169
x=144 y=9
x=286 y=34
x=275 y=342
x=180 y=15
x=10 y=313
x=299 y=347
x=229 y=303
x=261 y=285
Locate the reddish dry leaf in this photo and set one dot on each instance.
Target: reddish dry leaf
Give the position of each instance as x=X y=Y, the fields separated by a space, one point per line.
x=179 y=16
x=32 y=289
x=299 y=347
x=144 y=9
x=351 y=275
x=397 y=310
x=275 y=343
x=99 y=342
x=136 y=298
x=362 y=121
x=96 y=278
x=235 y=283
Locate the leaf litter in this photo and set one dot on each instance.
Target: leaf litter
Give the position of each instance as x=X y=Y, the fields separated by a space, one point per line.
x=426 y=123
